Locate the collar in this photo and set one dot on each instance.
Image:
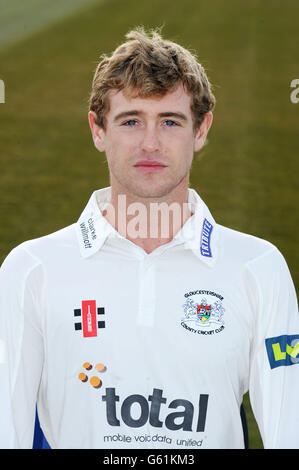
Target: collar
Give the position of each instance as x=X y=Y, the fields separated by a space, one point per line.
x=199 y=233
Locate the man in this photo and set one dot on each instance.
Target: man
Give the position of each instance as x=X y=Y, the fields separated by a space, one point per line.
x=143 y=324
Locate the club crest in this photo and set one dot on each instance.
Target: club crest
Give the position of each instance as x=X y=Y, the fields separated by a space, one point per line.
x=203 y=312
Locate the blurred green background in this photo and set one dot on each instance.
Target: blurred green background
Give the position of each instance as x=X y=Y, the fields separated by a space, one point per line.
x=248 y=171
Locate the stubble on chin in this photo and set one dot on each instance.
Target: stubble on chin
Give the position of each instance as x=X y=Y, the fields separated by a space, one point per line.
x=149 y=189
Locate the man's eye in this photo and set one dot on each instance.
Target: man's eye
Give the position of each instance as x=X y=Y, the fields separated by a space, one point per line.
x=129 y=123
x=170 y=123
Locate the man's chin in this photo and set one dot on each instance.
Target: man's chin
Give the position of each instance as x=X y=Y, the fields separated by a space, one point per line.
x=149 y=188
x=151 y=191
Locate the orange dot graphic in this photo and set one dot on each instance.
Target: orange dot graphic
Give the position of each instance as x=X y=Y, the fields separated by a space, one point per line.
x=100 y=367
x=95 y=382
x=83 y=377
x=87 y=365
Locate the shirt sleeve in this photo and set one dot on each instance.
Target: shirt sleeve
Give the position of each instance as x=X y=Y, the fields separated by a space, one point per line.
x=274 y=364
x=21 y=347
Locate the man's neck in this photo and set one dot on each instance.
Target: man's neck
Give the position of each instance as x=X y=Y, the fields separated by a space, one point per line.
x=148 y=222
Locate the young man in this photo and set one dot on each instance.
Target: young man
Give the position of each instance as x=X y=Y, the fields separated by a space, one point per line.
x=143 y=324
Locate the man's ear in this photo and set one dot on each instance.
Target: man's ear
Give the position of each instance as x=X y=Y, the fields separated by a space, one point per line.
x=97 y=132
x=202 y=131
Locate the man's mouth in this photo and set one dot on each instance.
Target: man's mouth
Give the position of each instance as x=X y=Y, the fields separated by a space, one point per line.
x=149 y=166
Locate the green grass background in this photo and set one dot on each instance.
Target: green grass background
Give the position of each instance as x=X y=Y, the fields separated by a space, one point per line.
x=248 y=172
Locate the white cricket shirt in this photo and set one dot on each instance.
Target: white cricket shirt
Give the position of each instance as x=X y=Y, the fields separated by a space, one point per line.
x=124 y=349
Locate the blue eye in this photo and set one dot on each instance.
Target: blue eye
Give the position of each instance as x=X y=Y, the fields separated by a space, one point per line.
x=172 y=123
x=129 y=123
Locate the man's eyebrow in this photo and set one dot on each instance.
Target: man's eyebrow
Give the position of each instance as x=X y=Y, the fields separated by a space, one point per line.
x=125 y=114
x=177 y=115
x=135 y=112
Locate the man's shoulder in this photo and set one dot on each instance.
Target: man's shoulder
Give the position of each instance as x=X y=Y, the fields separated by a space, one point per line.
x=244 y=246
x=55 y=245
x=257 y=261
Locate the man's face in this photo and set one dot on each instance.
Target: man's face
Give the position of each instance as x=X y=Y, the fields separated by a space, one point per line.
x=149 y=142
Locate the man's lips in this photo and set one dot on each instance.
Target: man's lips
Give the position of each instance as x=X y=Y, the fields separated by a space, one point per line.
x=149 y=163
x=149 y=166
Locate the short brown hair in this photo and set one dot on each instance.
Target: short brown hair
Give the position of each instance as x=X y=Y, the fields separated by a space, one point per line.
x=148 y=65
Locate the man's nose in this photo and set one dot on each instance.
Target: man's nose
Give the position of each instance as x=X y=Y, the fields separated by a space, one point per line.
x=150 y=140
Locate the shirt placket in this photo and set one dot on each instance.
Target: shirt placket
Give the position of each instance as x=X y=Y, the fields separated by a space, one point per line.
x=147 y=292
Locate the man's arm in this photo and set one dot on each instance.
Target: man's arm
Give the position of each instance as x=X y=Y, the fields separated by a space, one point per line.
x=22 y=350
x=274 y=371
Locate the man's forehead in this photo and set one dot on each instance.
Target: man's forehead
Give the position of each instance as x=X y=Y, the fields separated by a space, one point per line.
x=176 y=99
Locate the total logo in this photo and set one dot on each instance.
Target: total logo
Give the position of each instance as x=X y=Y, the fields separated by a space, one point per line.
x=150 y=409
x=136 y=410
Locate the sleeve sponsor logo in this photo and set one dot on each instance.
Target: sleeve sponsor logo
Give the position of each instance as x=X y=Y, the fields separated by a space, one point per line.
x=283 y=350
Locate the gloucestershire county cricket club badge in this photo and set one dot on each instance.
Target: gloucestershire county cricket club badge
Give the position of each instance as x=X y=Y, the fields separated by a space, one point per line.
x=203 y=312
